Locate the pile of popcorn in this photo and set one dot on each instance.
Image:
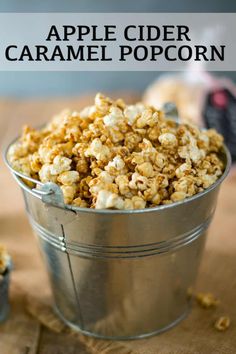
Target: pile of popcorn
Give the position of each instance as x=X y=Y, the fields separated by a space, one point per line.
x=117 y=156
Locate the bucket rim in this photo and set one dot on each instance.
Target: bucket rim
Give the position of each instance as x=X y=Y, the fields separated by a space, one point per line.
x=228 y=161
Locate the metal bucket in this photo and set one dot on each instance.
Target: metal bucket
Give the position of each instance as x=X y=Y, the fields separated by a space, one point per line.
x=121 y=274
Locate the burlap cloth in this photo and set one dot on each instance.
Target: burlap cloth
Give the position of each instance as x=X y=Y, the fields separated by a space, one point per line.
x=196 y=334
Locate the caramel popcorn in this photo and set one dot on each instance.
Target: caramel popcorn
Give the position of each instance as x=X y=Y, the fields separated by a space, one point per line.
x=114 y=156
x=222 y=323
x=207 y=300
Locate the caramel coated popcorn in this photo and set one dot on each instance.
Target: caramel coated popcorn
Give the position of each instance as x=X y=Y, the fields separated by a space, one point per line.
x=114 y=156
x=207 y=300
x=222 y=323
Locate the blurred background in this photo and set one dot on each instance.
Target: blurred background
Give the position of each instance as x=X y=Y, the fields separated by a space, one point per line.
x=44 y=84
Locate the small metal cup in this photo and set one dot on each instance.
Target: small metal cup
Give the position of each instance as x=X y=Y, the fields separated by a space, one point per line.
x=121 y=274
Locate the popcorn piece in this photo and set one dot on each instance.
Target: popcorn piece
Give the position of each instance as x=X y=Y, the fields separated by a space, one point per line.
x=35 y=162
x=128 y=204
x=49 y=172
x=82 y=166
x=131 y=113
x=46 y=175
x=106 y=177
x=103 y=181
x=138 y=203
x=190 y=150
x=162 y=181
x=138 y=182
x=134 y=203
x=47 y=154
x=30 y=139
x=168 y=140
x=16 y=151
x=154 y=132
x=102 y=103
x=177 y=196
x=215 y=140
x=206 y=300
x=183 y=170
x=57 y=120
x=117 y=163
x=156 y=199
x=116 y=136
x=222 y=323
x=145 y=169
x=22 y=165
x=123 y=184
x=131 y=140
x=146 y=119
x=203 y=141
x=87 y=112
x=60 y=164
x=151 y=194
x=116 y=166
x=160 y=160
x=114 y=117
x=98 y=150
x=187 y=153
x=68 y=193
x=185 y=185
x=80 y=203
x=108 y=200
x=208 y=180
x=137 y=159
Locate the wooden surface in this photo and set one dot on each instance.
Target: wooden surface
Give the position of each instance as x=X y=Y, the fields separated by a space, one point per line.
x=23 y=334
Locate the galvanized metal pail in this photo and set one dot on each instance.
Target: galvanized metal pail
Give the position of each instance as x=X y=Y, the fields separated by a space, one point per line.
x=121 y=274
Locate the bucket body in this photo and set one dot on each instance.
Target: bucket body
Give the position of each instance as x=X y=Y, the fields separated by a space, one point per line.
x=121 y=274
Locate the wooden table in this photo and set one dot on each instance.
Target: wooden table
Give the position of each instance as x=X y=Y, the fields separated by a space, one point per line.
x=23 y=334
